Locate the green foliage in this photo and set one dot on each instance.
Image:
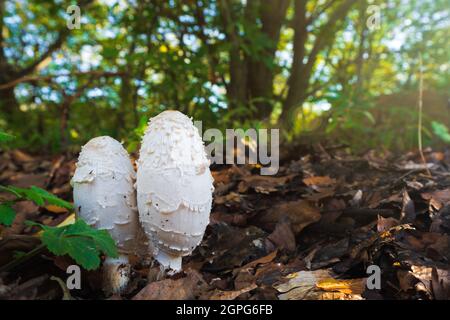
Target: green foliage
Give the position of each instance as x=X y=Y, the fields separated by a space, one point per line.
x=5 y=137
x=133 y=59
x=39 y=196
x=7 y=214
x=80 y=241
x=441 y=130
x=134 y=139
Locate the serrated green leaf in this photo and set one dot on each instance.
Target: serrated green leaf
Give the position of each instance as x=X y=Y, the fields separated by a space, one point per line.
x=102 y=237
x=84 y=251
x=55 y=241
x=7 y=214
x=80 y=241
x=37 y=195
x=51 y=198
x=28 y=194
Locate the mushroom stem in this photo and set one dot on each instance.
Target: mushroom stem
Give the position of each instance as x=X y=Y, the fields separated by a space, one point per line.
x=116 y=274
x=169 y=261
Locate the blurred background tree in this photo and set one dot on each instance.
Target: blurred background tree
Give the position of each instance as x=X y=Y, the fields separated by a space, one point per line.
x=315 y=68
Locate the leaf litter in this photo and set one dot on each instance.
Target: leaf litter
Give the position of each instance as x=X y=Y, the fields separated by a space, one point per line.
x=310 y=232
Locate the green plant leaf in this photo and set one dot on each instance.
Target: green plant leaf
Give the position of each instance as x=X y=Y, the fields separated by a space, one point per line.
x=441 y=131
x=8 y=189
x=37 y=195
x=27 y=194
x=80 y=241
x=85 y=252
x=51 y=198
x=5 y=137
x=7 y=214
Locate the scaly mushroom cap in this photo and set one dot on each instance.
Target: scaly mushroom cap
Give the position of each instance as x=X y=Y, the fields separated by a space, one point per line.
x=174 y=187
x=104 y=194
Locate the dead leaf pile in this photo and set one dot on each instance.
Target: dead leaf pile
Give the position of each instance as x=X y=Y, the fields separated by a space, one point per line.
x=309 y=232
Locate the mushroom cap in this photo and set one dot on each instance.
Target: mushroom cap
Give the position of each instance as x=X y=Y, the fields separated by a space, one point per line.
x=104 y=194
x=174 y=184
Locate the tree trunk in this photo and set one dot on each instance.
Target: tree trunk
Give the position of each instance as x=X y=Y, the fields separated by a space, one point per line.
x=9 y=107
x=298 y=80
x=237 y=87
x=261 y=68
x=301 y=72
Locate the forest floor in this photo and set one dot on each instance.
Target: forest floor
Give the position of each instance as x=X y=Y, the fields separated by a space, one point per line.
x=310 y=232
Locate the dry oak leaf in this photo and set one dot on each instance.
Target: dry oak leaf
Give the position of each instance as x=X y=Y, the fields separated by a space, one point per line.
x=20 y=156
x=282 y=237
x=262 y=184
x=254 y=263
x=408 y=213
x=319 y=285
x=436 y=281
x=302 y=285
x=384 y=224
x=301 y=214
x=186 y=288
x=319 y=181
x=55 y=209
x=438 y=198
x=230 y=295
x=350 y=286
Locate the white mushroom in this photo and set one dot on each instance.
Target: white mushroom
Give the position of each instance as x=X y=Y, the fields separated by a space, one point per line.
x=104 y=196
x=174 y=187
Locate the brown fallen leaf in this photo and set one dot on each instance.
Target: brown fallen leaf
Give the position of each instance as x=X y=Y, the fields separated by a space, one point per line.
x=301 y=214
x=351 y=286
x=282 y=237
x=384 y=224
x=316 y=182
x=262 y=260
x=406 y=280
x=187 y=288
x=55 y=209
x=302 y=285
x=20 y=156
x=319 y=285
x=230 y=295
x=432 y=242
x=322 y=194
x=262 y=184
x=232 y=219
x=233 y=247
x=408 y=213
x=440 y=197
x=339 y=296
x=244 y=279
x=440 y=284
x=435 y=280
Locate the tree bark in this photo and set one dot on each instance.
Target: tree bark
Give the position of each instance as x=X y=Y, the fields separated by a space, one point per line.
x=261 y=71
x=301 y=72
x=237 y=87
